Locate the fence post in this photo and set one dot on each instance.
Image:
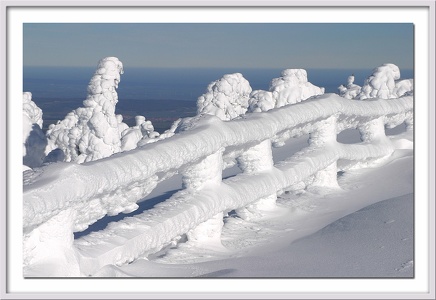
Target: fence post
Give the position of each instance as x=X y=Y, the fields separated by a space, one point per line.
x=325 y=133
x=372 y=131
x=257 y=159
x=206 y=172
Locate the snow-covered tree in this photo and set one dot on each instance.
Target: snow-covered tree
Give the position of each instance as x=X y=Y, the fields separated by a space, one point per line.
x=293 y=87
x=91 y=132
x=261 y=100
x=34 y=140
x=290 y=88
x=384 y=83
x=226 y=98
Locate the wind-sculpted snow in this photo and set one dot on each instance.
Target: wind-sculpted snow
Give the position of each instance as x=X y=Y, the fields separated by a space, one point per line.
x=34 y=141
x=383 y=83
x=226 y=98
x=292 y=87
x=115 y=184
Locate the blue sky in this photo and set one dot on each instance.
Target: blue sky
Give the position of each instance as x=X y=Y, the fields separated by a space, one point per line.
x=199 y=45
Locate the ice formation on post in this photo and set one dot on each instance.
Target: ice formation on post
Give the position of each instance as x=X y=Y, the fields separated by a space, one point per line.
x=290 y=88
x=34 y=141
x=226 y=98
x=91 y=132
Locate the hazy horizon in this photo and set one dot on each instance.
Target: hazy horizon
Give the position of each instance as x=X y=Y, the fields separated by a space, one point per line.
x=209 y=45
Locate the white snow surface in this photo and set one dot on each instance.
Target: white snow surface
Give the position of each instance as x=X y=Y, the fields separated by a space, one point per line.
x=363 y=229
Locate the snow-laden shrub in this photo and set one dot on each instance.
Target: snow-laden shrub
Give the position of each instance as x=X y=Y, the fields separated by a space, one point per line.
x=34 y=140
x=290 y=88
x=384 y=83
x=403 y=87
x=226 y=98
x=293 y=87
x=91 y=132
x=351 y=90
x=261 y=101
x=143 y=131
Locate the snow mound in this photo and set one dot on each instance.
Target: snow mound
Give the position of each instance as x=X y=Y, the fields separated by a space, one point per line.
x=34 y=141
x=226 y=98
x=292 y=87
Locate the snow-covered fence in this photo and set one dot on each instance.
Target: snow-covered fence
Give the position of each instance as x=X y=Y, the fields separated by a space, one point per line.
x=114 y=185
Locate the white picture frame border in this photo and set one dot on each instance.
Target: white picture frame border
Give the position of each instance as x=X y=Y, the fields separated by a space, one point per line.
x=278 y=288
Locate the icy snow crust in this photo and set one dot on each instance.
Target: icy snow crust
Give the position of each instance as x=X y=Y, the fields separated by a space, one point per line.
x=115 y=184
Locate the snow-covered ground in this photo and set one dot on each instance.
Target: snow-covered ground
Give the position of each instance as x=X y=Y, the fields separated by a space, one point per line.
x=364 y=229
